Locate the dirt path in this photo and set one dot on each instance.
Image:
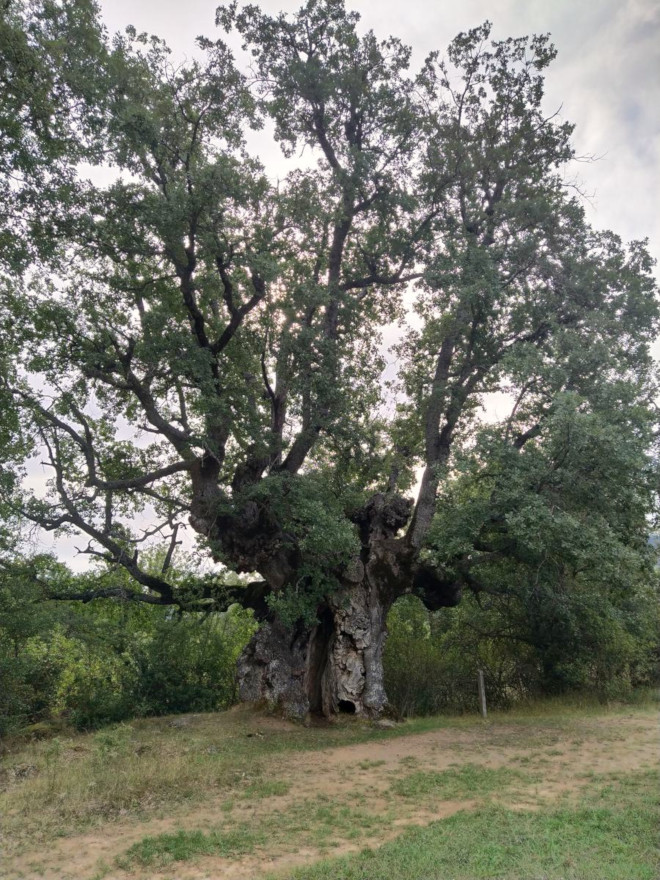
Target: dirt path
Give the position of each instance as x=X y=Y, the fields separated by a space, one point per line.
x=545 y=762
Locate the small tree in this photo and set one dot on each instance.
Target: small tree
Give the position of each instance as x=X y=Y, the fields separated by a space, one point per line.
x=236 y=325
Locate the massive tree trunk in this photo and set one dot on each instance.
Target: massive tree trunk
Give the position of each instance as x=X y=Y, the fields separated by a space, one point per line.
x=336 y=665
x=331 y=667
x=352 y=680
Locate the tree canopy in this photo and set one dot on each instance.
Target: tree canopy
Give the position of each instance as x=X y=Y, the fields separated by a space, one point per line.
x=195 y=343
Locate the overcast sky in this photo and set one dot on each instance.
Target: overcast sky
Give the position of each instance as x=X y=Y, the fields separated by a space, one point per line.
x=606 y=78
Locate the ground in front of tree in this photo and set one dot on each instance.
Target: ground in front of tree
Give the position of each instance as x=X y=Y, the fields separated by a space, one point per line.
x=562 y=792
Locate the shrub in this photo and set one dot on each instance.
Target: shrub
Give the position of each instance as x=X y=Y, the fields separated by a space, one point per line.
x=111 y=660
x=530 y=642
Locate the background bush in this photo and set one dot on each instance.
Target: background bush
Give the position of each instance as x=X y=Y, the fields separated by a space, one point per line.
x=92 y=664
x=528 y=644
x=110 y=660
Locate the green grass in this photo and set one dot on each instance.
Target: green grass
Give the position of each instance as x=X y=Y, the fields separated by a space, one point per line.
x=468 y=781
x=156 y=767
x=264 y=788
x=610 y=835
x=148 y=766
x=370 y=765
x=318 y=823
x=163 y=849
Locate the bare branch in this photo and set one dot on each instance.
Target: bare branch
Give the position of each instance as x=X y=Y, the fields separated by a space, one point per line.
x=170 y=551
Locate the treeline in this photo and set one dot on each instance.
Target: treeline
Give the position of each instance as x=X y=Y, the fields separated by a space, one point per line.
x=90 y=664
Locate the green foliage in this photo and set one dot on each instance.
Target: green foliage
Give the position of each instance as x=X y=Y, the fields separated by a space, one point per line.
x=562 y=586
x=29 y=674
x=52 y=72
x=189 y=664
x=529 y=642
x=241 y=322
x=312 y=515
x=111 y=660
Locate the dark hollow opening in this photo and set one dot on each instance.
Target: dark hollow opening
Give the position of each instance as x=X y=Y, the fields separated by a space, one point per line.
x=347 y=707
x=318 y=660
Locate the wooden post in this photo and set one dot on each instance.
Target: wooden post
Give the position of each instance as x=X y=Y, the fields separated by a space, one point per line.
x=482 y=694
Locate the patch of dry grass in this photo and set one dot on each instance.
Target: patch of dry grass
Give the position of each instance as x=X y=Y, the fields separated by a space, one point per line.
x=68 y=783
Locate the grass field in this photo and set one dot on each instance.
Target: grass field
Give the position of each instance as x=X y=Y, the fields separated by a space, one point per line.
x=554 y=792
x=609 y=833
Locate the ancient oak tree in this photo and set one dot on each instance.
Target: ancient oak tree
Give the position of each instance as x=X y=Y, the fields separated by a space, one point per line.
x=202 y=345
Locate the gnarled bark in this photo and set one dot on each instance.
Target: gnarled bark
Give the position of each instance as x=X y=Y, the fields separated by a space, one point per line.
x=336 y=665
x=273 y=668
x=333 y=666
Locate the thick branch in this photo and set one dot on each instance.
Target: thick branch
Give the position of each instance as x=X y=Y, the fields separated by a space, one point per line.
x=237 y=313
x=207 y=598
x=122 y=593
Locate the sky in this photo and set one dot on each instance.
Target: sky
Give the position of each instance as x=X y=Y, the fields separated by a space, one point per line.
x=606 y=80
